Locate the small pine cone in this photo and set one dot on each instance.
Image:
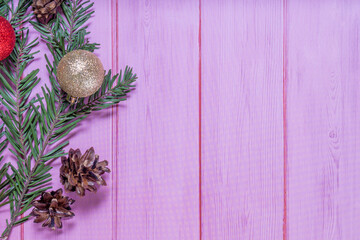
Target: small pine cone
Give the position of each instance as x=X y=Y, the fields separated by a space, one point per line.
x=44 y=10
x=51 y=208
x=81 y=172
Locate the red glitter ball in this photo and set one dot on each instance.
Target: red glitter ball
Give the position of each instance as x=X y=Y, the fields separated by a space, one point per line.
x=7 y=38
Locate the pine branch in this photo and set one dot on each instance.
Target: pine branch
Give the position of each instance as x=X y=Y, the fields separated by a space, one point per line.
x=32 y=179
x=18 y=14
x=4 y=8
x=65 y=34
x=62 y=122
x=51 y=115
x=18 y=117
x=4 y=185
x=15 y=96
x=4 y=182
x=109 y=94
x=3 y=142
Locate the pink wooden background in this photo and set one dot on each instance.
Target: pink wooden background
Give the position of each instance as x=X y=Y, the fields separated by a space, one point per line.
x=243 y=125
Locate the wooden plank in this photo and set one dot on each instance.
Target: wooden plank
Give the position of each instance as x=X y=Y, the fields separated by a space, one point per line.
x=158 y=133
x=242 y=119
x=323 y=122
x=93 y=213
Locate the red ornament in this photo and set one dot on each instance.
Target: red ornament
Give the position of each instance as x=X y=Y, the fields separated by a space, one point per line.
x=7 y=38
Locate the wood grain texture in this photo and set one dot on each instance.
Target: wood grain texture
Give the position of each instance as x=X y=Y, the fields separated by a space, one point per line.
x=158 y=167
x=242 y=119
x=323 y=122
x=93 y=213
x=247 y=49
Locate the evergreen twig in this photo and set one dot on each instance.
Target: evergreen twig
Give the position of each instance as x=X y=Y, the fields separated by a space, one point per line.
x=4 y=182
x=32 y=125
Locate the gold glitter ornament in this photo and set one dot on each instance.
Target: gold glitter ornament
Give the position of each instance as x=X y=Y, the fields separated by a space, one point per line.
x=80 y=73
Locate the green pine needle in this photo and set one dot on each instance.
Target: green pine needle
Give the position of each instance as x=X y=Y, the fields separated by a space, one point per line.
x=32 y=124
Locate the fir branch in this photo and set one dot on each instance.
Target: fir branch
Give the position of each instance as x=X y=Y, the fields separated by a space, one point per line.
x=4 y=185
x=36 y=178
x=65 y=34
x=50 y=114
x=58 y=124
x=4 y=8
x=4 y=182
x=3 y=142
x=109 y=94
x=15 y=96
x=19 y=114
x=77 y=13
x=19 y=14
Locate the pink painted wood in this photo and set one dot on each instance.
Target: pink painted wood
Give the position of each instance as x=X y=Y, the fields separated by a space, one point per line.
x=158 y=133
x=276 y=77
x=242 y=119
x=323 y=123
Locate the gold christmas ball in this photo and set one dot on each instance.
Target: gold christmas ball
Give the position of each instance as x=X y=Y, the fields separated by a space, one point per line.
x=80 y=73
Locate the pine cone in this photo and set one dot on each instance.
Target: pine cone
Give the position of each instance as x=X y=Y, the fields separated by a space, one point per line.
x=51 y=208
x=80 y=172
x=44 y=10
